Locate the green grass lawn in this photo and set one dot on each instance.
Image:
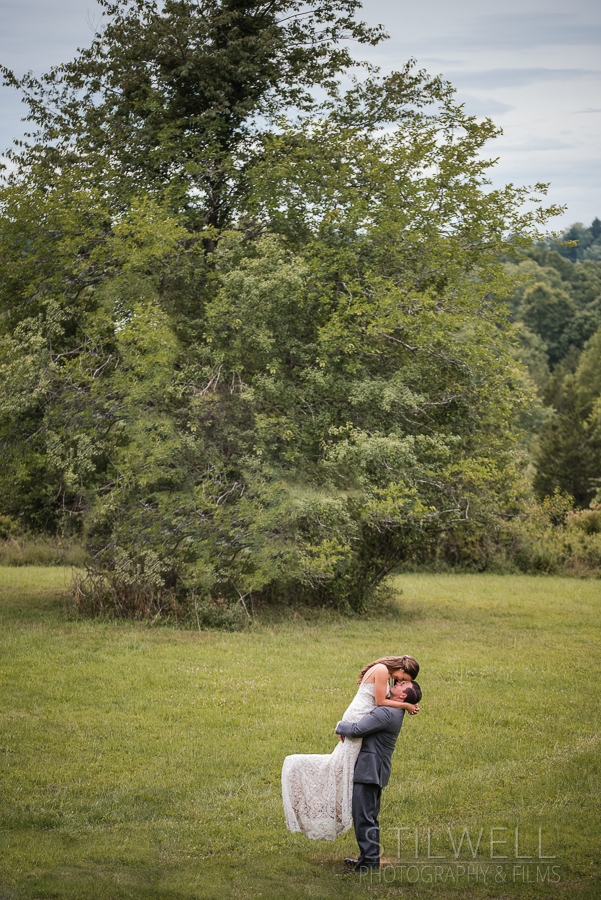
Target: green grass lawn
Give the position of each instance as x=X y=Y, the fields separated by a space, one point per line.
x=144 y=762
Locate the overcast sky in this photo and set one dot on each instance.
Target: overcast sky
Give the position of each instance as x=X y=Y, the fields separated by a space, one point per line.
x=534 y=66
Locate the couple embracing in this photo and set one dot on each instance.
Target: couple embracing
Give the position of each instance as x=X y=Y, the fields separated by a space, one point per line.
x=324 y=794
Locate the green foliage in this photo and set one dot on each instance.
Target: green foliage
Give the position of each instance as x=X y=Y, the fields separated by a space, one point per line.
x=8 y=528
x=545 y=537
x=250 y=357
x=37 y=550
x=568 y=450
x=18 y=548
x=555 y=538
x=174 y=94
x=582 y=282
x=564 y=313
x=549 y=314
x=587 y=242
x=532 y=352
x=556 y=308
x=588 y=374
x=69 y=349
x=587 y=520
x=569 y=455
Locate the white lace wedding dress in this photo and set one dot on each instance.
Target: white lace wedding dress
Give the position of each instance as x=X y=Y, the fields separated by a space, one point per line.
x=317 y=789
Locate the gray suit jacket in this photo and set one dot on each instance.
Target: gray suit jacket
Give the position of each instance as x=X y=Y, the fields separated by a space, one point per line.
x=379 y=731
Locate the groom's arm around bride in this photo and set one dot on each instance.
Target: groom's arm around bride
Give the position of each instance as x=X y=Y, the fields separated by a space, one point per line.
x=379 y=730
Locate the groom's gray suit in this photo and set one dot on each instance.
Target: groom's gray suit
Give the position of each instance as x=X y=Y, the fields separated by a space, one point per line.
x=379 y=730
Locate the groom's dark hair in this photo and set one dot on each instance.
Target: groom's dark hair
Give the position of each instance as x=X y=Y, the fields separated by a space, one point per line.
x=413 y=692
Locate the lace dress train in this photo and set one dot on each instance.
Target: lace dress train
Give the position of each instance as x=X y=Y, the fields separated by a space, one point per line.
x=317 y=789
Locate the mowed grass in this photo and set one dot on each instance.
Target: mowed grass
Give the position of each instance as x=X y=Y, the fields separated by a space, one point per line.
x=143 y=762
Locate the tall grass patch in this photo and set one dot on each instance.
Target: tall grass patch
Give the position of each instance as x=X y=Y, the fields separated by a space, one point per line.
x=37 y=550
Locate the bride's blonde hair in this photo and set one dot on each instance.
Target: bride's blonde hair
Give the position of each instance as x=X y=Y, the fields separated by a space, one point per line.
x=407 y=663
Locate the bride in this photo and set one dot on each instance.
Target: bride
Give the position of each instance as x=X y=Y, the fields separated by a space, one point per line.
x=317 y=789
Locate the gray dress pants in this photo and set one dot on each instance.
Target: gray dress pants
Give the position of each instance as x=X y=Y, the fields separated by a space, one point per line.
x=366 y=809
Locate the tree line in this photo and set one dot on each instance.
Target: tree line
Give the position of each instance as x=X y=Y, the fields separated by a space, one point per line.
x=557 y=313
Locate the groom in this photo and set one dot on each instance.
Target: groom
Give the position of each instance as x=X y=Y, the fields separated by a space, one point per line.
x=379 y=731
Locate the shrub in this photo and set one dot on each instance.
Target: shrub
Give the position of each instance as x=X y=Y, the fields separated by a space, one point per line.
x=586 y=520
x=8 y=528
x=112 y=596
x=549 y=537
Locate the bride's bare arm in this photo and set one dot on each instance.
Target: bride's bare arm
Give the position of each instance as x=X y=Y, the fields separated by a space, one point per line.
x=410 y=707
x=398 y=704
x=381 y=689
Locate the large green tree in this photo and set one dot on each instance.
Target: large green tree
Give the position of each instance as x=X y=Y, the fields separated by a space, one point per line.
x=274 y=385
x=569 y=453
x=175 y=94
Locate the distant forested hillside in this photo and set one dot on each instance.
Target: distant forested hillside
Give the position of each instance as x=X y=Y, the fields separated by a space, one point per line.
x=588 y=246
x=557 y=312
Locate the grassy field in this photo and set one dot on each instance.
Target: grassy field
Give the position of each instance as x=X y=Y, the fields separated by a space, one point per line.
x=145 y=762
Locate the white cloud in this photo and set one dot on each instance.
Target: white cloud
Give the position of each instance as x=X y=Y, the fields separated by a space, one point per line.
x=538 y=145
x=491 y=79
x=523 y=31
x=484 y=106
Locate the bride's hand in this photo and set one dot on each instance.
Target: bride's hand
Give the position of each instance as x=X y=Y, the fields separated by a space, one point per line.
x=412 y=708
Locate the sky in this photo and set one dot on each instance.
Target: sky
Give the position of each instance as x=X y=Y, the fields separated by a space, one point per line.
x=533 y=66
